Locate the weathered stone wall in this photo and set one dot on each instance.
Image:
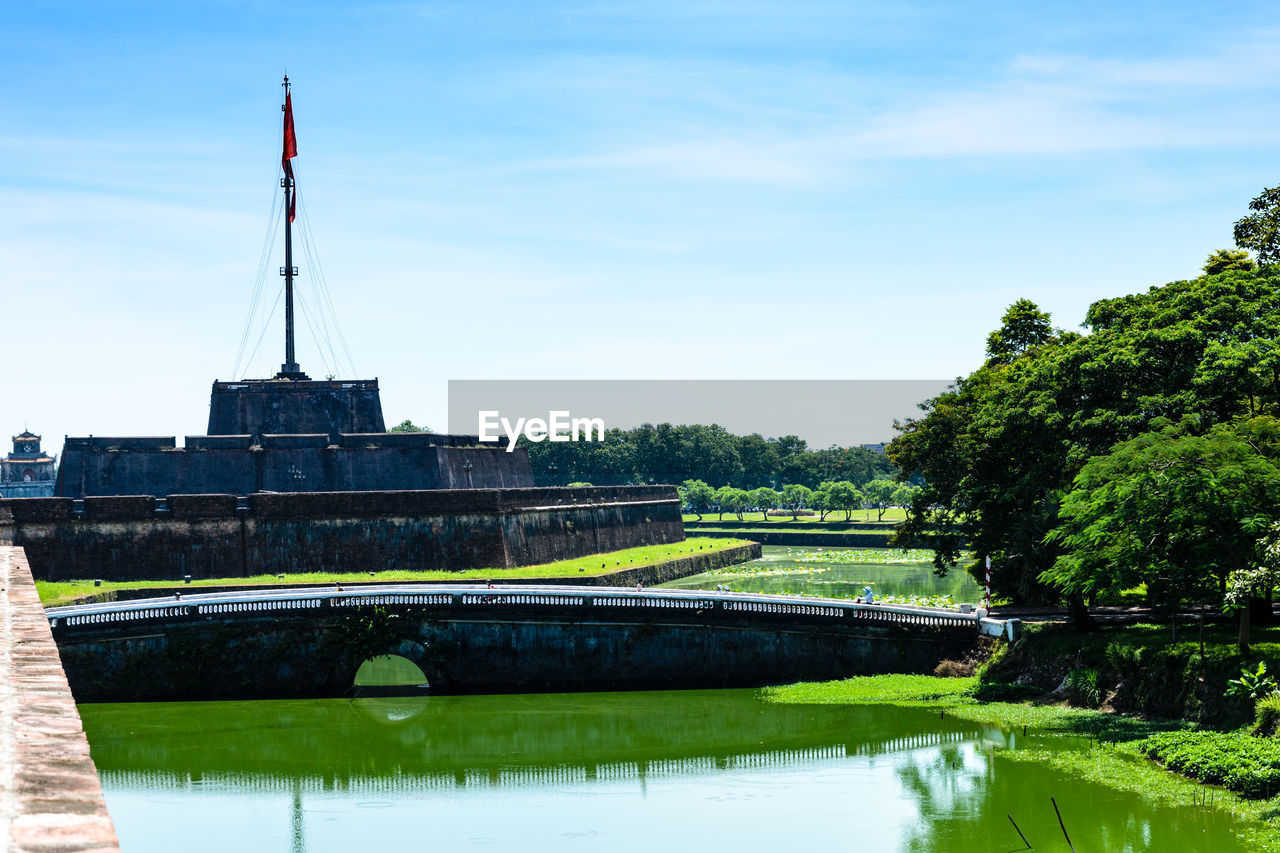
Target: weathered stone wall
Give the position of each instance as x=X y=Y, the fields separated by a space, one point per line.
x=257 y=407
x=50 y=798
x=132 y=538
x=241 y=464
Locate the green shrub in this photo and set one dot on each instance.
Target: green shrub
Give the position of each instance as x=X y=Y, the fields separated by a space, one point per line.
x=1267 y=721
x=1254 y=685
x=1082 y=682
x=992 y=691
x=1235 y=760
x=1124 y=658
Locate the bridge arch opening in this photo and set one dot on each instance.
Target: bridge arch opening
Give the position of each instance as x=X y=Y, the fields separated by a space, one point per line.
x=390 y=675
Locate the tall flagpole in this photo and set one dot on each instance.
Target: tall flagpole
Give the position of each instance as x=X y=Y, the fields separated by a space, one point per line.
x=290 y=369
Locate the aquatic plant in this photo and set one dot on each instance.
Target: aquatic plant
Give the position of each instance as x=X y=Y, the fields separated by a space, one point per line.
x=1236 y=760
x=1254 y=685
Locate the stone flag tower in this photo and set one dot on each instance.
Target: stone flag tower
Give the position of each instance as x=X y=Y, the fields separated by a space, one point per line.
x=289 y=433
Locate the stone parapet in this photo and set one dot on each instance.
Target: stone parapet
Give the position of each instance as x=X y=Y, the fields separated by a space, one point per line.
x=287 y=463
x=223 y=536
x=50 y=797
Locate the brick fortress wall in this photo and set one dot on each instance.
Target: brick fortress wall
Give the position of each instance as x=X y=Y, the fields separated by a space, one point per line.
x=222 y=535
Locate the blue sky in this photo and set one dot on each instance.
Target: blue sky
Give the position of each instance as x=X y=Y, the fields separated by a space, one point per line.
x=593 y=190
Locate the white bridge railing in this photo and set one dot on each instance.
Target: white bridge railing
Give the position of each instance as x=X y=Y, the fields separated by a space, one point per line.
x=610 y=602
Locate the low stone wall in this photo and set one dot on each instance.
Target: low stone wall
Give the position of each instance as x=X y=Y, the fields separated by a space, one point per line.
x=50 y=797
x=652 y=575
x=140 y=538
x=787 y=537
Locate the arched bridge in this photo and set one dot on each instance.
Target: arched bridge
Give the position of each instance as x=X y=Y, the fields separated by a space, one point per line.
x=467 y=638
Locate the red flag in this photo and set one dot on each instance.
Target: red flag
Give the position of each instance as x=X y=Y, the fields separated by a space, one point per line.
x=290 y=151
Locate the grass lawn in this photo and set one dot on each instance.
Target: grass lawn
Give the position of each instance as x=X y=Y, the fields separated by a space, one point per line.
x=1100 y=645
x=53 y=593
x=862 y=515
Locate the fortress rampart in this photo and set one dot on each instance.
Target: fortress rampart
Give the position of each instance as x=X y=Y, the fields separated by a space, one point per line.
x=141 y=537
x=319 y=462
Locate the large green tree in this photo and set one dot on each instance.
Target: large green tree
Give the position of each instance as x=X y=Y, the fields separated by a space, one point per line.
x=765 y=499
x=844 y=496
x=879 y=494
x=1176 y=509
x=1000 y=447
x=822 y=501
x=795 y=497
x=697 y=495
x=732 y=500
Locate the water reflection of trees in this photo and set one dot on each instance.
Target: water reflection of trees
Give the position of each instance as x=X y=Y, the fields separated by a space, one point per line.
x=966 y=793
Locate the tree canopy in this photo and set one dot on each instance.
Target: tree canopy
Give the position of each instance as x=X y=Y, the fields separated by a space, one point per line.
x=1223 y=260
x=795 y=497
x=733 y=500
x=1259 y=230
x=697 y=495
x=999 y=449
x=1023 y=327
x=1174 y=508
x=407 y=425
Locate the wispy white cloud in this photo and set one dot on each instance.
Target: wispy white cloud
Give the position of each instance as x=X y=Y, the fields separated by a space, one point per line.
x=1244 y=62
x=809 y=125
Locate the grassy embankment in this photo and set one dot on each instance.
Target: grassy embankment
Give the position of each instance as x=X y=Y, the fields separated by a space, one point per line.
x=1137 y=668
x=1116 y=761
x=53 y=593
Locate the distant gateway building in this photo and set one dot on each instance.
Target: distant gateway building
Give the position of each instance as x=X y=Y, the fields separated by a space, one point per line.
x=27 y=472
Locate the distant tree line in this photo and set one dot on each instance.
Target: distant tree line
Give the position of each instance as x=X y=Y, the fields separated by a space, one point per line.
x=830 y=496
x=664 y=453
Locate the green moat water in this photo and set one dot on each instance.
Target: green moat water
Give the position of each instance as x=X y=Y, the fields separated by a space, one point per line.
x=821 y=571
x=678 y=770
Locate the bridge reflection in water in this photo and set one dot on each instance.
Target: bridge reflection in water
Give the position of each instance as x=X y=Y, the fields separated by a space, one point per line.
x=426 y=743
x=683 y=769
